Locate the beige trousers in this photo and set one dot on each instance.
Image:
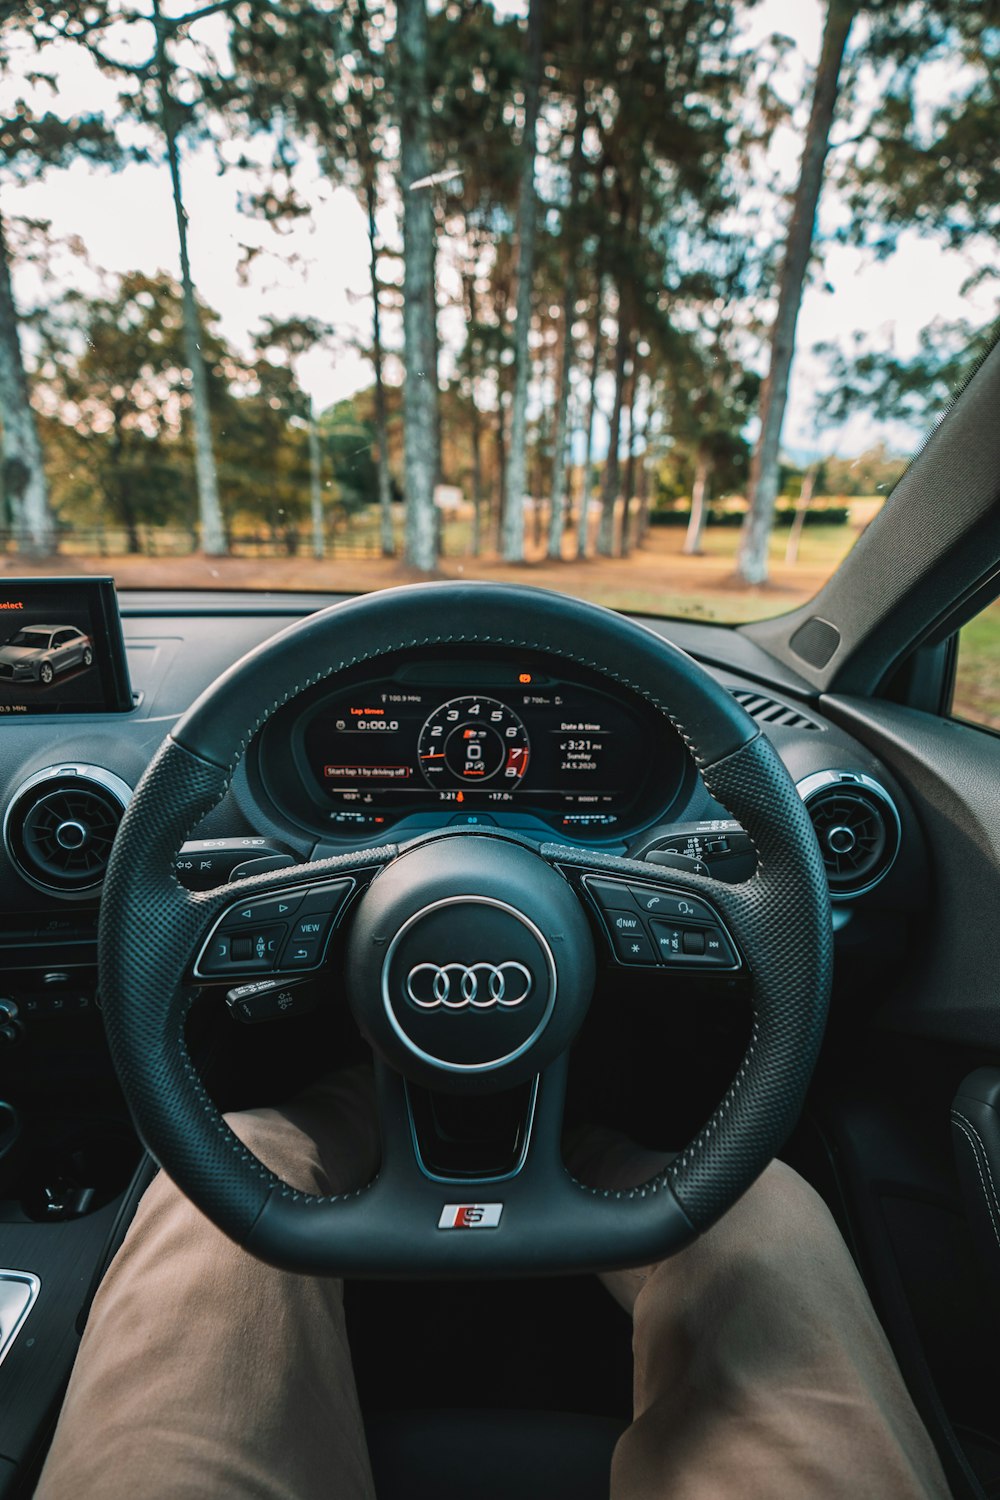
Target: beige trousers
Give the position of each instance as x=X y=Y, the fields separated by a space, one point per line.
x=760 y=1368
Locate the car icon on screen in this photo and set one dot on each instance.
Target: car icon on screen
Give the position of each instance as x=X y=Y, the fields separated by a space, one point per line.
x=38 y=653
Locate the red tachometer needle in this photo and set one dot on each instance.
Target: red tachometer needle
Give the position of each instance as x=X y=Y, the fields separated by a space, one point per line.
x=433 y=757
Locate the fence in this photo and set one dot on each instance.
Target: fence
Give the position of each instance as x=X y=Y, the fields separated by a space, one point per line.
x=351 y=541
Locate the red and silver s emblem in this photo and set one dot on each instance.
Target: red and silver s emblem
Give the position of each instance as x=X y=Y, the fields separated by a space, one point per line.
x=470 y=1216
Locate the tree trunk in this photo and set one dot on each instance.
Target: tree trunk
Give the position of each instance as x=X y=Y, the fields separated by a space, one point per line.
x=612 y=468
x=699 y=506
x=315 y=485
x=125 y=506
x=213 y=536
x=501 y=485
x=24 y=485
x=477 y=479
x=642 y=528
x=799 y=519
x=629 y=490
x=513 y=520
x=751 y=562
x=420 y=397
x=387 y=538
x=583 y=520
x=568 y=310
x=434 y=363
x=475 y=420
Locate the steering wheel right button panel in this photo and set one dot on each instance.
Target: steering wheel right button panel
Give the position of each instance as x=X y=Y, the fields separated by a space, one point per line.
x=649 y=924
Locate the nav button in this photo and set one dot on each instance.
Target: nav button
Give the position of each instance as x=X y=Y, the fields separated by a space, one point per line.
x=624 y=922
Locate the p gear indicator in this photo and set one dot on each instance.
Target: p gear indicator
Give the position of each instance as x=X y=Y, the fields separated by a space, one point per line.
x=468 y=741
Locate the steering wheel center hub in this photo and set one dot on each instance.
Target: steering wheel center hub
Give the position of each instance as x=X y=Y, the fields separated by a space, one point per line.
x=454 y=984
x=469 y=983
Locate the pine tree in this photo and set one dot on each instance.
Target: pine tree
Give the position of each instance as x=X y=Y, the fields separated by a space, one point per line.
x=420 y=392
x=31 y=145
x=527 y=214
x=751 y=564
x=152 y=99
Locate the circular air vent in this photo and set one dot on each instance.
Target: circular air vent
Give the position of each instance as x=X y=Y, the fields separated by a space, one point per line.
x=857 y=826
x=60 y=825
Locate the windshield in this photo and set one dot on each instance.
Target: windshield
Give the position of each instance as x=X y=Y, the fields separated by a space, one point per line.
x=649 y=303
x=34 y=639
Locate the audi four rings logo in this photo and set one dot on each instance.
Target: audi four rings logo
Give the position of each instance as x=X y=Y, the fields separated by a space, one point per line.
x=457 y=986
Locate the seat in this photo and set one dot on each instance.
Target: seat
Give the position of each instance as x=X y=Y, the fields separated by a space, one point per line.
x=492 y=1454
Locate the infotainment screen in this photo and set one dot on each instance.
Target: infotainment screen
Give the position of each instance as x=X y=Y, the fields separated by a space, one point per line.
x=61 y=647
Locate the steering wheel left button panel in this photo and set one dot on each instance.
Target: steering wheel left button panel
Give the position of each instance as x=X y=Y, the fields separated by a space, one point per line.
x=250 y=939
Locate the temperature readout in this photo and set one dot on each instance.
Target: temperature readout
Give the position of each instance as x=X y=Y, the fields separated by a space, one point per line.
x=469 y=741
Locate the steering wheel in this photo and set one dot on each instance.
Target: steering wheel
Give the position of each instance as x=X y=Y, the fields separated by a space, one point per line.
x=469 y=961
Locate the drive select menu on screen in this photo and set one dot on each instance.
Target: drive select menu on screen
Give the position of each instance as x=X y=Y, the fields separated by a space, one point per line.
x=61 y=647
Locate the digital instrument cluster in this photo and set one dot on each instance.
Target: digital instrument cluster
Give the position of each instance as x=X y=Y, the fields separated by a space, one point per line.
x=479 y=738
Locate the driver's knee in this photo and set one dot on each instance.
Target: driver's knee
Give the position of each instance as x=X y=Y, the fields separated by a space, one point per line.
x=324 y=1140
x=774 y=1254
x=773 y=1237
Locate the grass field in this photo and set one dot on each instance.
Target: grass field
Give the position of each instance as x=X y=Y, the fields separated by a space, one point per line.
x=977 y=681
x=655 y=579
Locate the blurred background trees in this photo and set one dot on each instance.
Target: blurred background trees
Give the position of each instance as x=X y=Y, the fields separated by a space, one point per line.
x=584 y=263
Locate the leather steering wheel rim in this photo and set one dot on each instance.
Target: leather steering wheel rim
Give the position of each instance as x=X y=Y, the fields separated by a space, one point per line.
x=780 y=918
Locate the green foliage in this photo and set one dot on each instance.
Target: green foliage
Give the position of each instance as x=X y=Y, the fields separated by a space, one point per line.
x=112 y=382
x=875 y=380
x=935 y=165
x=784 y=515
x=873 y=472
x=349 y=441
x=31 y=144
x=111 y=377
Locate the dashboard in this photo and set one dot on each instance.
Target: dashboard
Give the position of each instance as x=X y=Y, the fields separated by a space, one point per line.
x=414 y=742
x=483 y=738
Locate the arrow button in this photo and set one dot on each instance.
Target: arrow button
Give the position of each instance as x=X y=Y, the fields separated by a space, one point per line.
x=268 y=909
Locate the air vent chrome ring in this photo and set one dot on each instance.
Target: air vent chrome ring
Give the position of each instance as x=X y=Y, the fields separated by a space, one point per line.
x=858 y=828
x=59 y=826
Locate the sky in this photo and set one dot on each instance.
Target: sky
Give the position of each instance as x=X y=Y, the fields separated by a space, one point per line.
x=126 y=221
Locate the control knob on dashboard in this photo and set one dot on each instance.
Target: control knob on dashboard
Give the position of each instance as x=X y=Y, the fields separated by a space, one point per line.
x=11 y=1025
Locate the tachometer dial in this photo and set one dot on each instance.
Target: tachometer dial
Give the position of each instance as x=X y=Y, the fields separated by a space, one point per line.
x=469 y=741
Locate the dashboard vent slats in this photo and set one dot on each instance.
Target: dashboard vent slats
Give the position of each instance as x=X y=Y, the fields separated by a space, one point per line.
x=769 y=711
x=857 y=827
x=60 y=826
x=68 y=835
